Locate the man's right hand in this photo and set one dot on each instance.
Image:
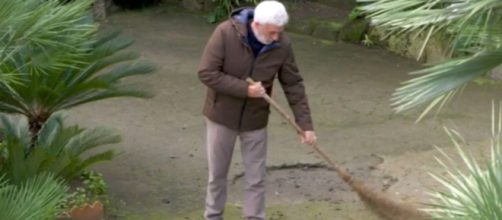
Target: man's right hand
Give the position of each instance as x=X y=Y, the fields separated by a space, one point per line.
x=256 y=90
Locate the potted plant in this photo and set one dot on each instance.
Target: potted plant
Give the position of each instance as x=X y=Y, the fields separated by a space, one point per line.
x=89 y=197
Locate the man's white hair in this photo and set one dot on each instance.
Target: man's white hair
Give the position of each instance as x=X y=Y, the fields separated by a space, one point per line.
x=271 y=12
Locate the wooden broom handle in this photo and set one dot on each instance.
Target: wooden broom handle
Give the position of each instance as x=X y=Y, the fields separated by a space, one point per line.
x=380 y=202
x=298 y=129
x=277 y=107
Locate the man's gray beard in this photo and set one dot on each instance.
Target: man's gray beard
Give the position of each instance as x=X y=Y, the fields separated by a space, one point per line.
x=261 y=40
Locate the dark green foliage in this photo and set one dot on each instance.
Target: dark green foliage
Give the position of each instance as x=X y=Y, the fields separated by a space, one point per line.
x=62 y=150
x=38 y=198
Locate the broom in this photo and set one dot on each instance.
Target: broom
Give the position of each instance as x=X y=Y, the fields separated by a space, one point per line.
x=379 y=202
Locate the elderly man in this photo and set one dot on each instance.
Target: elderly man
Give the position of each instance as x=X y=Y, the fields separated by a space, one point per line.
x=249 y=44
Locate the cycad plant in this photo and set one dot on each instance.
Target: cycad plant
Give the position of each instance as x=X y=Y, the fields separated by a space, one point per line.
x=56 y=60
x=476 y=44
x=38 y=198
x=43 y=36
x=65 y=151
x=473 y=188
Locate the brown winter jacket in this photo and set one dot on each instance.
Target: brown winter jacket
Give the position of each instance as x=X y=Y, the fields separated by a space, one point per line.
x=228 y=60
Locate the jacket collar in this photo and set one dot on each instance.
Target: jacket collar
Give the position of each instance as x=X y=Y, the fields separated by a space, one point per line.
x=242 y=16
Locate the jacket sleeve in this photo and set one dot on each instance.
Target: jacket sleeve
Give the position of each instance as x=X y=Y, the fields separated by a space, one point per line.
x=292 y=84
x=211 y=67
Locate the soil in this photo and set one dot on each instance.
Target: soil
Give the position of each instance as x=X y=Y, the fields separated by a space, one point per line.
x=162 y=171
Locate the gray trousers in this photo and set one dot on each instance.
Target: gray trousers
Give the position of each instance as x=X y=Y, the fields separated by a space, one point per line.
x=220 y=145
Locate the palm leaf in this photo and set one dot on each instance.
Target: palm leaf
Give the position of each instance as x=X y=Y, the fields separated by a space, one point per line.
x=77 y=167
x=472 y=192
x=39 y=198
x=38 y=25
x=59 y=60
x=124 y=71
x=117 y=92
x=442 y=80
x=474 y=27
x=90 y=139
x=59 y=149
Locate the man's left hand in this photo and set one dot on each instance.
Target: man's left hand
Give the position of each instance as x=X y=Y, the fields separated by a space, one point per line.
x=308 y=137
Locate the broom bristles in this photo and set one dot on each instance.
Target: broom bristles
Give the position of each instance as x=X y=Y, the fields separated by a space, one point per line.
x=381 y=203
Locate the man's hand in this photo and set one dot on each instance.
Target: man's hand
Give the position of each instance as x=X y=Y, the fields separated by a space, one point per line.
x=308 y=137
x=256 y=90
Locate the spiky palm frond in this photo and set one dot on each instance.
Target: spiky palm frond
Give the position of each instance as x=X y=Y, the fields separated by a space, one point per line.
x=38 y=198
x=472 y=187
x=474 y=27
x=59 y=59
x=439 y=83
x=59 y=149
x=100 y=76
x=409 y=15
x=43 y=36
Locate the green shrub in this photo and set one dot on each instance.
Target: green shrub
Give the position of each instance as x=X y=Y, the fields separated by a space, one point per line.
x=62 y=150
x=473 y=188
x=38 y=198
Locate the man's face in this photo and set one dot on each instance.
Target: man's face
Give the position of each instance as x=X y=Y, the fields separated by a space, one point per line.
x=267 y=33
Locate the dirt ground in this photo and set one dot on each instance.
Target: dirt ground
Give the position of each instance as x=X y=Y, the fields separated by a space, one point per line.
x=162 y=171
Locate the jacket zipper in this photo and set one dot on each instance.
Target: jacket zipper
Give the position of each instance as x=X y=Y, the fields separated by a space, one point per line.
x=264 y=49
x=246 y=99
